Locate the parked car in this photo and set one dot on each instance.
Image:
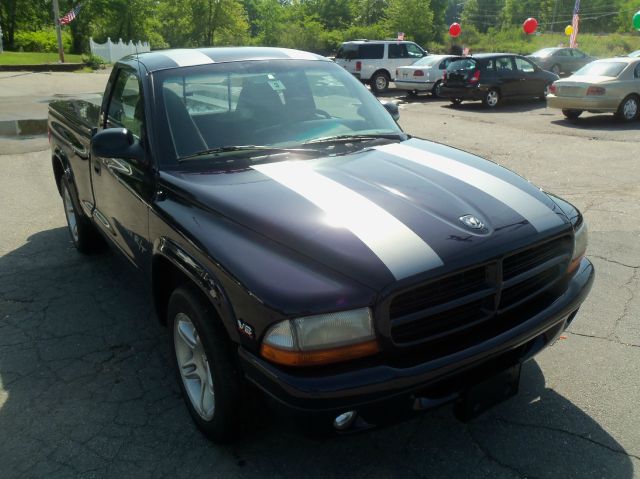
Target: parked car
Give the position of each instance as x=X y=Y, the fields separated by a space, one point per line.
x=635 y=54
x=424 y=75
x=610 y=85
x=301 y=245
x=493 y=77
x=374 y=62
x=560 y=60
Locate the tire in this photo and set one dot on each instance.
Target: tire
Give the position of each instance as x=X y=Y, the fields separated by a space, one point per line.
x=379 y=82
x=205 y=364
x=435 y=91
x=455 y=101
x=556 y=69
x=83 y=233
x=491 y=98
x=628 y=109
x=412 y=93
x=572 y=114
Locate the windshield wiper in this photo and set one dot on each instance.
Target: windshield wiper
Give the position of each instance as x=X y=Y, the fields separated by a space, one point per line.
x=257 y=148
x=356 y=138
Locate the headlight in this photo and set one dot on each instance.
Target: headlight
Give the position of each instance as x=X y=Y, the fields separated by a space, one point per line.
x=321 y=339
x=580 y=240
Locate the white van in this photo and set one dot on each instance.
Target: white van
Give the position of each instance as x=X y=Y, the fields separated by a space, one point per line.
x=375 y=61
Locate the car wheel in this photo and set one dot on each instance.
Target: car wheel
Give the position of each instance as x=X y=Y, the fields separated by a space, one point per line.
x=455 y=101
x=83 y=233
x=628 y=109
x=572 y=114
x=491 y=98
x=437 y=88
x=412 y=93
x=205 y=363
x=555 y=69
x=379 y=82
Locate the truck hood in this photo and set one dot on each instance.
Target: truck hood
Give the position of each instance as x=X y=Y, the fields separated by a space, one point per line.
x=398 y=212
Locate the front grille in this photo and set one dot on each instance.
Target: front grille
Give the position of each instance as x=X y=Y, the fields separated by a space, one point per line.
x=477 y=297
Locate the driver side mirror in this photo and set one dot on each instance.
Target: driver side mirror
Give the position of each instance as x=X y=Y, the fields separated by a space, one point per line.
x=117 y=143
x=393 y=110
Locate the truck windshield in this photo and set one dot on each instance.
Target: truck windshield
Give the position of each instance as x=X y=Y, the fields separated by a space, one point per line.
x=274 y=103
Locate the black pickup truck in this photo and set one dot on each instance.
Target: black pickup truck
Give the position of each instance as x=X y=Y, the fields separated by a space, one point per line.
x=300 y=244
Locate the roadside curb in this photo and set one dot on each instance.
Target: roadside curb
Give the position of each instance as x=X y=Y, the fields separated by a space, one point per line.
x=47 y=67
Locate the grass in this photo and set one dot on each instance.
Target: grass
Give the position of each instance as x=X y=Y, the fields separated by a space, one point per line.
x=35 y=58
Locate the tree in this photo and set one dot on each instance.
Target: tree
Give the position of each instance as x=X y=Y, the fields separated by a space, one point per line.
x=482 y=14
x=413 y=17
x=369 y=12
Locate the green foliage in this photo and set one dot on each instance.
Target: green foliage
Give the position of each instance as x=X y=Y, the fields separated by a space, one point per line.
x=413 y=17
x=93 y=61
x=35 y=58
x=41 y=41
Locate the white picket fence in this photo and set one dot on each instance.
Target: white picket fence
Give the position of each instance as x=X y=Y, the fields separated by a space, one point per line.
x=113 y=52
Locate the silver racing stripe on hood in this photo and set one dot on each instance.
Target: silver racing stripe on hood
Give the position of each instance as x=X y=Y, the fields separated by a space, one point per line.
x=401 y=250
x=539 y=215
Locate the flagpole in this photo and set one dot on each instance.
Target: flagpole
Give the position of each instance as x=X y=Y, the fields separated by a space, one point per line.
x=56 y=19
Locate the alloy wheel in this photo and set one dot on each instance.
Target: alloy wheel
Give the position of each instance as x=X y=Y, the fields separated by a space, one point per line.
x=630 y=109
x=194 y=367
x=70 y=213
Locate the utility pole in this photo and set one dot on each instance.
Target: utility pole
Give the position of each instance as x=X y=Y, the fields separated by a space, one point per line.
x=56 y=18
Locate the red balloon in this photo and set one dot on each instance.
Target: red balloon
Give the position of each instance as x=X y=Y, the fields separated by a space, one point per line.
x=455 y=30
x=530 y=25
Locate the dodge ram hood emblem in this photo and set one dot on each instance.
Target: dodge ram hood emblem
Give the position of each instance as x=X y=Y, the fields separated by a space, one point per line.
x=472 y=222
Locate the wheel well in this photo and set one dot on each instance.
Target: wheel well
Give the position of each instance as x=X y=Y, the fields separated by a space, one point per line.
x=58 y=171
x=166 y=277
x=381 y=71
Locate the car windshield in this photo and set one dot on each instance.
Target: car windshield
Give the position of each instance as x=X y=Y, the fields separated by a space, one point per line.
x=545 y=52
x=635 y=54
x=240 y=108
x=602 y=69
x=429 y=61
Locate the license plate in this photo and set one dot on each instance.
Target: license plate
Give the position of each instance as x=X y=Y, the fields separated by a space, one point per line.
x=486 y=394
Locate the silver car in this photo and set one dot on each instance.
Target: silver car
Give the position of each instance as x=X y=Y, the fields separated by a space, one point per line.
x=424 y=75
x=560 y=60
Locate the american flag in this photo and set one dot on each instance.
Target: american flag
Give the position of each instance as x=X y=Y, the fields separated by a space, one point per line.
x=400 y=36
x=71 y=16
x=574 y=24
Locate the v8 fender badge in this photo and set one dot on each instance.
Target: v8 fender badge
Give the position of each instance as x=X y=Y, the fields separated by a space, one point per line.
x=472 y=222
x=245 y=329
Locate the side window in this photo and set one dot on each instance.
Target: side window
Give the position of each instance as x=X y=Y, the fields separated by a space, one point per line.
x=524 y=66
x=562 y=53
x=398 y=50
x=577 y=53
x=636 y=72
x=504 y=64
x=414 y=50
x=126 y=108
x=371 y=52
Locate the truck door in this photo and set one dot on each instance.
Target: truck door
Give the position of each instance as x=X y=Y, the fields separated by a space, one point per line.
x=122 y=187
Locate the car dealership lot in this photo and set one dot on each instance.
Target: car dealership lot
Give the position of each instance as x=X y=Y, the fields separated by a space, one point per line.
x=85 y=388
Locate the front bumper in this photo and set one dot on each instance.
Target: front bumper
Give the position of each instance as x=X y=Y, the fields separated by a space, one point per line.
x=472 y=92
x=430 y=383
x=593 y=104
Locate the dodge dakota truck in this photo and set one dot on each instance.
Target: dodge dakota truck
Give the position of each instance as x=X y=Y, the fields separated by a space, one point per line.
x=301 y=247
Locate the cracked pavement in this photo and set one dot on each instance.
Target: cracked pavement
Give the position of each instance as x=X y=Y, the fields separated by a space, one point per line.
x=86 y=389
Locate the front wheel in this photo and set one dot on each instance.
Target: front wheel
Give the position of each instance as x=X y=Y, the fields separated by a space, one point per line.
x=205 y=364
x=455 y=101
x=572 y=114
x=556 y=69
x=491 y=98
x=380 y=82
x=628 y=109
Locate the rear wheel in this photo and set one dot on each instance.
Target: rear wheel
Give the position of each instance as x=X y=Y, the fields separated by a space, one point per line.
x=437 y=88
x=491 y=98
x=379 y=82
x=572 y=114
x=83 y=233
x=555 y=69
x=628 y=109
x=455 y=101
x=412 y=93
x=205 y=364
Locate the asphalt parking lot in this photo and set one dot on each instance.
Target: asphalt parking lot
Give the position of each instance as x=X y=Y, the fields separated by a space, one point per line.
x=86 y=390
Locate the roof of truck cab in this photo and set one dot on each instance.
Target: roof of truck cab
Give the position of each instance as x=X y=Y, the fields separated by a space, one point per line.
x=166 y=59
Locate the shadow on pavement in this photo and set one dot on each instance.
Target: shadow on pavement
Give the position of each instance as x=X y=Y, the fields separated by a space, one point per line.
x=87 y=391
x=506 y=106
x=605 y=122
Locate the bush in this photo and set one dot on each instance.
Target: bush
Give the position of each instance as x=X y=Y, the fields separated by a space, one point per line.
x=93 y=61
x=41 y=41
